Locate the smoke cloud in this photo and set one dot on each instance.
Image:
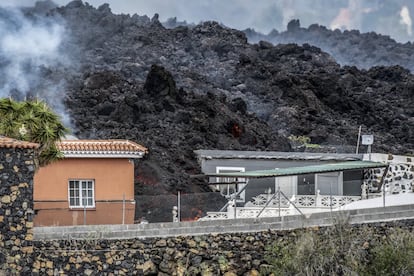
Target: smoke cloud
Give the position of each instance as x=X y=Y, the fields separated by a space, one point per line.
x=365 y=15
x=32 y=52
x=406 y=19
x=30 y=55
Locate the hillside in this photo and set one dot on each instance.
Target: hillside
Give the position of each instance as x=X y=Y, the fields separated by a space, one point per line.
x=206 y=87
x=348 y=47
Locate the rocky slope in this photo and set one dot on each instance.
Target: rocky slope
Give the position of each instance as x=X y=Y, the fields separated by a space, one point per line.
x=363 y=50
x=205 y=87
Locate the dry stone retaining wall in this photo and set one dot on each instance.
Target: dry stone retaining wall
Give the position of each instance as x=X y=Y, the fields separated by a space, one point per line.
x=213 y=254
x=16 y=210
x=399 y=177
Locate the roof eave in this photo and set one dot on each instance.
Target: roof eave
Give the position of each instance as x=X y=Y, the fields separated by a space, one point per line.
x=72 y=154
x=299 y=170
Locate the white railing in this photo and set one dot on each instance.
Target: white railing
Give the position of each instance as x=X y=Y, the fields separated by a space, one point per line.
x=319 y=201
x=261 y=199
x=214 y=216
x=253 y=212
x=305 y=202
x=249 y=212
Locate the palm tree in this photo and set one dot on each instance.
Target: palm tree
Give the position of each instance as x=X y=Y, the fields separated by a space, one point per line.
x=33 y=121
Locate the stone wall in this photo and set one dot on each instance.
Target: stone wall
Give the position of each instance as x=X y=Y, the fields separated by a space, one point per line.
x=16 y=209
x=399 y=177
x=214 y=254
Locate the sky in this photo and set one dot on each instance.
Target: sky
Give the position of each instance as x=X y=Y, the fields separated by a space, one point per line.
x=392 y=18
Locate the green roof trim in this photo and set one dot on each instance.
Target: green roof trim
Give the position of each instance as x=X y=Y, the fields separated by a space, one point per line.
x=324 y=168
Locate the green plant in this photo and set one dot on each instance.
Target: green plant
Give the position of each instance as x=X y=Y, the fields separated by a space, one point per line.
x=223 y=263
x=281 y=259
x=336 y=250
x=393 y=254
x=342 y=250
x=302 y=140
x=33 y=121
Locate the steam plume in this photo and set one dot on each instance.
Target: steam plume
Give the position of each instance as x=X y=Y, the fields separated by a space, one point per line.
x=406 y=19
x=30 y=53
x=263 y=16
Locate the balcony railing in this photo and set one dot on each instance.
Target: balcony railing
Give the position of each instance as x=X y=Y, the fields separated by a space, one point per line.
x=318 y=200
x=279 y=206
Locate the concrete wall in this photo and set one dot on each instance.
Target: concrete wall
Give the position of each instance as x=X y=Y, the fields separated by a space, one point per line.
x=170 y=229
x=113 y=181
x=16 y=210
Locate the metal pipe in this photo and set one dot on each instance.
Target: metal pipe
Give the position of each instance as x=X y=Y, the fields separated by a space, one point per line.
x=330 y=197
x=84 y=201
x=267 y=204
x=234 y=196
x=359 y=137
x=123 y=208
x=292 y=203
x=278 y=191
x=179 y=206
x=382 y=185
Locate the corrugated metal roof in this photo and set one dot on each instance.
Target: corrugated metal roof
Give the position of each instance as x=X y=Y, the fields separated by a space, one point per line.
x=239 y=154
x=324 y=168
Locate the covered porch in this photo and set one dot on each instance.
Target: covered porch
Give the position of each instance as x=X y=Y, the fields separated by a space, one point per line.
x=297 y=190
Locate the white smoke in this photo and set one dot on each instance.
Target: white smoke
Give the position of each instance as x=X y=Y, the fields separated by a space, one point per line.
x=365 y=15
x=406 y=19
x=30 y=51
x=345 y=17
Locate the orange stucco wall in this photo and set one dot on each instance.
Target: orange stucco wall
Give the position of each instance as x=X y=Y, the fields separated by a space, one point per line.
x=114 y=181
x=104 y=213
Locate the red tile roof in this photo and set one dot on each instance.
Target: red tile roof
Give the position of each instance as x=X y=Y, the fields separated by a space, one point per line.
x=6 y=142
x=104 y=148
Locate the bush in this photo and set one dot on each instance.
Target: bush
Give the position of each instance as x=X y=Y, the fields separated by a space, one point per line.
x=302 y=141
x=337 y=250
x=393 y=254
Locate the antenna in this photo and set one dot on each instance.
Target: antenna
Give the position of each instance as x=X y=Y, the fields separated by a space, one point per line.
x=368 y=140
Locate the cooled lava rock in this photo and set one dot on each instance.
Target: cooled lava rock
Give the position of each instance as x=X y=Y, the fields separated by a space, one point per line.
x=206 y=87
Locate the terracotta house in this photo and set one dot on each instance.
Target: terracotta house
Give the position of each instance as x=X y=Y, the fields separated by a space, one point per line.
x=92 y=184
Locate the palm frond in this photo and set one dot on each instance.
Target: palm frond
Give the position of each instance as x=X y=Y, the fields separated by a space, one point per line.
x=33 y=121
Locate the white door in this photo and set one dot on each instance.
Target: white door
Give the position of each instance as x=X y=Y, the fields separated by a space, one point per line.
x=329 y=183
x=287 y=185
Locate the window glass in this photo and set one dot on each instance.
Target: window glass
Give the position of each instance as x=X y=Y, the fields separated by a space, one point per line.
x=81 y=193
x=328 y=183
x=306 y=184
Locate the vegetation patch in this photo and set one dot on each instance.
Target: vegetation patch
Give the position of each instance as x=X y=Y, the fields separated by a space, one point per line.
x=342 y=250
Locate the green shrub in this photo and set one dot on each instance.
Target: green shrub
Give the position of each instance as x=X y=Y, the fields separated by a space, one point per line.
x=337 y=250
x=342 y=250
x=393 y=254
x=299 y=141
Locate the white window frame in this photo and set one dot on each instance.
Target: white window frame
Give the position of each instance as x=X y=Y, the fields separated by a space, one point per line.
x=239 y=186
x=81 y=197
